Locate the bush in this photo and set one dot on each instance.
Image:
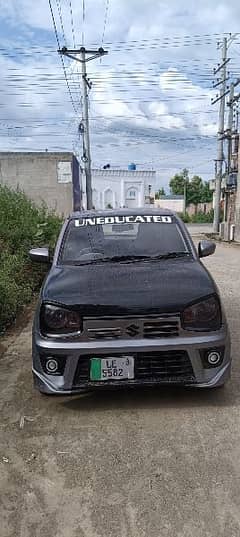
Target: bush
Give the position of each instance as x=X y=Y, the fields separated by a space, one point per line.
x=22 y=226
x=202 y=218
x=198 y=218
x=184 y=217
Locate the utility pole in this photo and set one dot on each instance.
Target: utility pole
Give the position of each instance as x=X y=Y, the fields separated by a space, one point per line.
x=220 y=155
x=83 y=55
x=228 y=135
x=185 y=196
x=230 y=125
x=86 y=136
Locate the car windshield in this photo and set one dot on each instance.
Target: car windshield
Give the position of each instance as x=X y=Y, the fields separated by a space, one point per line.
x=119 y=238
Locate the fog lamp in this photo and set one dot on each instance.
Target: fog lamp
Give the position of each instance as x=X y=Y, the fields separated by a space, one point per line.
x=214 y=358
x=51 y=365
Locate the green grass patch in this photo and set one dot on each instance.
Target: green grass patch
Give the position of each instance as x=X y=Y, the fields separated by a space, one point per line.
x=22 y=226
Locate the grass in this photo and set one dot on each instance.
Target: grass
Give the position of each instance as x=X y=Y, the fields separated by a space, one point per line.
x=198 y=218
x=22 y=226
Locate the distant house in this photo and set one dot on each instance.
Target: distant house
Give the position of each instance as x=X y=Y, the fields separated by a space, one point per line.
x=173 y=202
x=113 y=188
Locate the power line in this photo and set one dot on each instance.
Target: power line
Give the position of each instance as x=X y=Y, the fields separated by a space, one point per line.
x=73 y=31
x=63 y=65
x=61 y=19
x=105 y=19
x=83 y=20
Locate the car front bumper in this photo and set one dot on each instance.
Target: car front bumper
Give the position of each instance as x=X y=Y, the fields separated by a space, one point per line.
x=74 y=352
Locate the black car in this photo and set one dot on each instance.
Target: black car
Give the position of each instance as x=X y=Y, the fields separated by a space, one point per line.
x=127 y=301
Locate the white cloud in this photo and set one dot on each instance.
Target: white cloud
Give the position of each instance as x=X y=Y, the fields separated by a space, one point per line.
x=145 y=92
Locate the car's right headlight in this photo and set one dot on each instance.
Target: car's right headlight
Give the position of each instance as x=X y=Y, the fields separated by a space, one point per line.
x=204 y=316
x=56 y=320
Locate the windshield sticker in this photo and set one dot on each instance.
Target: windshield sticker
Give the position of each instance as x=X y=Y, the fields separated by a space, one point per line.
x=101 y=220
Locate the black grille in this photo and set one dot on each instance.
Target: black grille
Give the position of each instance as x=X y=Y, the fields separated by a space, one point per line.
x=160 y=328
x=163 y=366
x=104 y=333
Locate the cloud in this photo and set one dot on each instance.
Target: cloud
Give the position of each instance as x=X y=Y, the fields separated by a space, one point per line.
x=151 y=96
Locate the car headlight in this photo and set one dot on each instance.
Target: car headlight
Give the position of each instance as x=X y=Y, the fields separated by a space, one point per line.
x=56 y=320
x=203 y=316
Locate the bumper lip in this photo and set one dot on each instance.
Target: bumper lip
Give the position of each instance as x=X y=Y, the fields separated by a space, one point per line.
x=47 y=387
x=63 y=385
x=218 y=380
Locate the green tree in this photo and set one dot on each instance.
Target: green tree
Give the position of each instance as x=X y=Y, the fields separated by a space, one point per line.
x=207 y=194
x=178 y=181
x=197 y=190
x=194 y=190
x=159 y=193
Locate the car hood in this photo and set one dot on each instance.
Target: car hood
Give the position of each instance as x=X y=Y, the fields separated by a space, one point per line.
x=120 y=289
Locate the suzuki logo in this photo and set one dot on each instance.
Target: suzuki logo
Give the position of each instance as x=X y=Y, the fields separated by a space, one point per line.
x=132 y=330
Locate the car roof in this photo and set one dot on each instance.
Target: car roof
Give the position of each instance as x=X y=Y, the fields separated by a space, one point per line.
x=142 y=211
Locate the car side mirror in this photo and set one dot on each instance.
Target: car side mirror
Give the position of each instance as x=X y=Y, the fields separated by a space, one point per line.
x=206 y=248
x=40 y=255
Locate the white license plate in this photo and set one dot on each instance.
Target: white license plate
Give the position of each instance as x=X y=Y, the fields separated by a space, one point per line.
x=112 y=368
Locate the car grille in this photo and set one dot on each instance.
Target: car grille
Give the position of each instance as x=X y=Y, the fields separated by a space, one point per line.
x=160 y=328
x=104 y=333
x=163 y=367
x=166 y=365
x=131 y=328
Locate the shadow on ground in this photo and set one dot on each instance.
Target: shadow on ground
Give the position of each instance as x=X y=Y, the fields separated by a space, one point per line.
x=147 y=398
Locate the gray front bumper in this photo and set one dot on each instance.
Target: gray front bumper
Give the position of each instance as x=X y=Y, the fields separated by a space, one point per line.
x=192 y=344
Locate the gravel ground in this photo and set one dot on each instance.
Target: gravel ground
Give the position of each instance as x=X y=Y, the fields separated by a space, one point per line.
x=152 y=463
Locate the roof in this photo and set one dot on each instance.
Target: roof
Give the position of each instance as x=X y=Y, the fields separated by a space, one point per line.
x=36 y=154
x=120 y=172
x=123 y=212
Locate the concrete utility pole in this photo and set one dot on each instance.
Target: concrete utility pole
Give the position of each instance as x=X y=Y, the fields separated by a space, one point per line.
x=220 y=155
x=228 y=135
x=230 y=124
x=185 y=196
x=83 y=56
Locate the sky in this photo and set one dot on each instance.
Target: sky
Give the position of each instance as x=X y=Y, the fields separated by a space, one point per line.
x=150 y=101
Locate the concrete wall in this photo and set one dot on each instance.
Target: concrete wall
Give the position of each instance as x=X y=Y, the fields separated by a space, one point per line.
x=175 y=205
x=37 y=175
x=200 y=207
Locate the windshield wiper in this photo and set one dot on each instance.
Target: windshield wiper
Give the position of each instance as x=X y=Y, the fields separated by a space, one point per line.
x=157 y=257
x=113 y=259
x=131 y=258
x=123 y=258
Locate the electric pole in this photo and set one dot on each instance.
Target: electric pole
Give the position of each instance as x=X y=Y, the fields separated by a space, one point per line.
x=185 y=196
x=83 y=55
x=228 y=135
x=230 y=125
x=220 y=155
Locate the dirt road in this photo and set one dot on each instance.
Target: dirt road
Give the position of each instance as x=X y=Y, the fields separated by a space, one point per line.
x=162 y=463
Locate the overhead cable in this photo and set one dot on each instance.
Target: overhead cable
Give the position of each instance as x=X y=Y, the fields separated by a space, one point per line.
x=62 y=61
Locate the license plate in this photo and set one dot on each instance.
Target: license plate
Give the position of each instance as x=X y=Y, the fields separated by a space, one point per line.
x=112 y=368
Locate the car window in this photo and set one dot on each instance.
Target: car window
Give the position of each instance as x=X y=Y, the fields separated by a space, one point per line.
x=109 y=240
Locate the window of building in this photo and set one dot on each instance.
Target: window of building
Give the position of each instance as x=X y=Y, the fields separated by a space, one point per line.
x=108 y=198
x=132 y=194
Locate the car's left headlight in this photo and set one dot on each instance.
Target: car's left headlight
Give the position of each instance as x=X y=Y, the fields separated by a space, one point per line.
x=56 y=320
x=203 y=316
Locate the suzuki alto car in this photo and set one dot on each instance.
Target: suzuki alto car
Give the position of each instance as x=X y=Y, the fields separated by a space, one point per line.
x=128 y=302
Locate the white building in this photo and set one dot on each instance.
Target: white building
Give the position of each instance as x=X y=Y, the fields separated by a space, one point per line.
x=113 y=188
